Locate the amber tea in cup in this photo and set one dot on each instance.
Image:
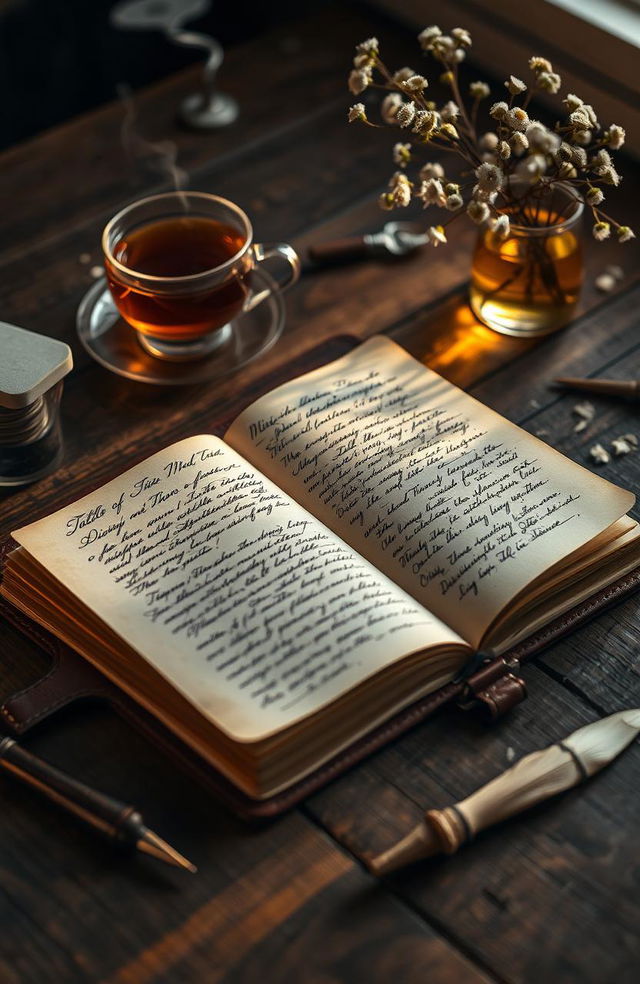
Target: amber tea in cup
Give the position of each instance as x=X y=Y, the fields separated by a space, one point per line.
x=179 y=270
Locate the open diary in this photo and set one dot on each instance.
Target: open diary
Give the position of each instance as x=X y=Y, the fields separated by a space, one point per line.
x=357 y=536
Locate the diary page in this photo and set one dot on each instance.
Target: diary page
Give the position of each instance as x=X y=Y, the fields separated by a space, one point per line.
x=239 y=597
x=453 y=502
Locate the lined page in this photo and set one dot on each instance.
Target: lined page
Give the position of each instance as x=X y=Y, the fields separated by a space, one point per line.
x=453 y=502
x=249 y=606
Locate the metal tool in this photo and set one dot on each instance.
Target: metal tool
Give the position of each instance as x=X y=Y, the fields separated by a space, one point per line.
x=395 y=239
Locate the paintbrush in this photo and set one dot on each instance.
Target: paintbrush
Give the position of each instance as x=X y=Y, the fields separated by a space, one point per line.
x=530 y=781
x=628 y=388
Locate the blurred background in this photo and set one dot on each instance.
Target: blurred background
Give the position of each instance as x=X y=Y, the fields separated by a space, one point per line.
x=59 y=58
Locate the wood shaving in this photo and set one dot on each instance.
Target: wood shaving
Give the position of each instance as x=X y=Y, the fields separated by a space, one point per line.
x=598 y=455
x=586 y=411
x=624 y=444
x=615 y=271
x=605 y=283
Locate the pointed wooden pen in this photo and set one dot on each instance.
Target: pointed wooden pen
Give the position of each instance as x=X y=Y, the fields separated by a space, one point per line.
x=530 y=781
x=627 y=388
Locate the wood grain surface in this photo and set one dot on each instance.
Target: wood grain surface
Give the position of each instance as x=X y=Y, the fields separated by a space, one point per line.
x=553 y=895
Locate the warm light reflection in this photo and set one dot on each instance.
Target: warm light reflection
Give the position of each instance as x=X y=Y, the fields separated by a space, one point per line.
x=454 y=343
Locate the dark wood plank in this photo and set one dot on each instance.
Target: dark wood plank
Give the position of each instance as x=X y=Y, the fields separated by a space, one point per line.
x=534 y=898
x=83 y=913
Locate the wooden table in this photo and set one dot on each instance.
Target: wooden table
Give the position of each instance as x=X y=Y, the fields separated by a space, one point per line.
x=553 y=895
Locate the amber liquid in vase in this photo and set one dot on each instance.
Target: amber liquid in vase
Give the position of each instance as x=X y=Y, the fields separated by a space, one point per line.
x=180 y=246
x=526 y=285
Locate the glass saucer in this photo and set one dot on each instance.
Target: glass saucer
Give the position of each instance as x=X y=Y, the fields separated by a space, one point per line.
x=114 y=344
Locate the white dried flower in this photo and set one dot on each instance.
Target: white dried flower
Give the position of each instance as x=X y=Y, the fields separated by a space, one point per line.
x=368 y=47
x=436 y=235
x=602 y=158
x=609 y=175
x=504 y=150
x=615 y=136
x=450 y=131
x=402 y=154
x=614 y=271
x=598 y=454
x=478 y=211
x=500 y=227
x=572 y=102
x=499 y=111
x=517 y=119
x=428 y=36
x=622 y=445
x=415 y=83
x=462 y=36
x=567 y=171
x=519 y=143
x=549 y=82
x=403 y=74
x=432 y=193
x=357 y=112
x=601 y=230
x=426 y=121
x=579 y=119
x=533 y=166
x=361 y=61
x=591 y=114
x=594 y=196
x=443 y=47
x=431 y=170
x=479 y=90
x=541 y=140
x=579 y=157
x=582 y=137
x=450 y=111
x=488 y=141
x=515 y=86
x=390 y=106
x=490 y=178
x=404 y=115
x=624 y=234
x=482 y=195
x=359 y=79
x=400 y=189
x=454 y=202
x=385 y=201
x=538 y=64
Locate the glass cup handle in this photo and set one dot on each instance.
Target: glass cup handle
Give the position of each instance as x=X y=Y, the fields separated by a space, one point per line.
x=266 y=251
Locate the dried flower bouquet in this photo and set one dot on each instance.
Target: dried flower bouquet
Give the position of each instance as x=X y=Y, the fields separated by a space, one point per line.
x=516 y=176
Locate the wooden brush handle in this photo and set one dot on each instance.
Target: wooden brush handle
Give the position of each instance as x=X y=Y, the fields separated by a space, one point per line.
x=339 y=251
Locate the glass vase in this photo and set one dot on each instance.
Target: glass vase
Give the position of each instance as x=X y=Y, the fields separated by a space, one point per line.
x=528 y=284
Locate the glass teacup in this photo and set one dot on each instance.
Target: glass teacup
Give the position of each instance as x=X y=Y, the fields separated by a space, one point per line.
x=179 y=270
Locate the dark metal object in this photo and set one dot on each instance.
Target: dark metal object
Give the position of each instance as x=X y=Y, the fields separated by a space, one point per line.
x=204 y=110
x=629 y=388
x=394 y=239
x=118 y=822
